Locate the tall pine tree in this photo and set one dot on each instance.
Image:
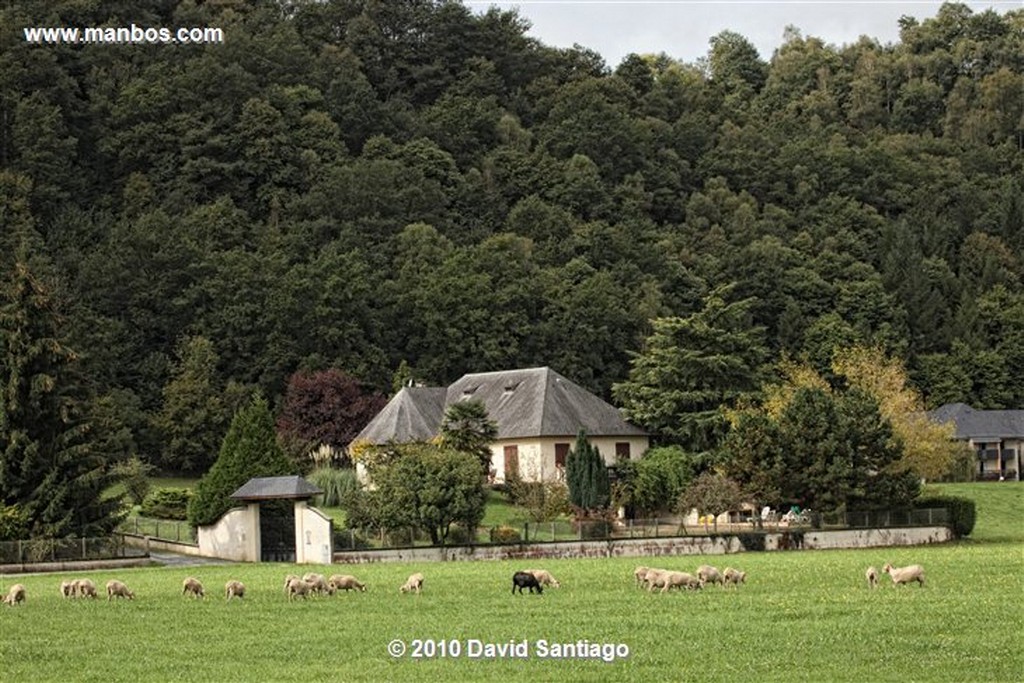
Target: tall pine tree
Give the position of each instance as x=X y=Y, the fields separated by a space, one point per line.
x=250 y=449
x=51 y=468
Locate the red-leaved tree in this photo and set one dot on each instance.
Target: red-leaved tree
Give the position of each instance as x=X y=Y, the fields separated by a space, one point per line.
x=325 y=407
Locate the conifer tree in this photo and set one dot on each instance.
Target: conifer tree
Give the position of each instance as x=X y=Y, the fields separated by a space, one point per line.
x=587 y=476
x=51 y=468
x=250 y=449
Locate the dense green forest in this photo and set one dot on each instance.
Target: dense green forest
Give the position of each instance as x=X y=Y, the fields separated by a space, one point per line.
x=410 y=189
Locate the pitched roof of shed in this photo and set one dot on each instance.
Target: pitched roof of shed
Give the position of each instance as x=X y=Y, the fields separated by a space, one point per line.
x=981 y=424
x=523 y=403
x=276 y=488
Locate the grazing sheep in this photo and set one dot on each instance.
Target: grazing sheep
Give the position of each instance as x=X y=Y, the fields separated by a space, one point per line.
x=544 y=577
x=914 y=572
x=671 y=579
x=15 y=594
x=346 y=582
x=192 y=586
x=288 y=579
x=413 y=583
x=871 y=574
x=67 y=588
x=86 y=588
x=234 y=589
x=298 y=586
x=708 y=574
x=655 y=578
x=733 y=576
x=640 y=575
x=318 y=584
x=523 y=580
x=116 y=589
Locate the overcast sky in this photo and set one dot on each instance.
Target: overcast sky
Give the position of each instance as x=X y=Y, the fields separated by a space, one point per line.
x=682 y=28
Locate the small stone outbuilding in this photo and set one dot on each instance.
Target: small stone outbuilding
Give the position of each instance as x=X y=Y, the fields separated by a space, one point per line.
x=239 y=534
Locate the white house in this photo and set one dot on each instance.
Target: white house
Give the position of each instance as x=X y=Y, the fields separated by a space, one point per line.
x=997 y=436
x=538 y=413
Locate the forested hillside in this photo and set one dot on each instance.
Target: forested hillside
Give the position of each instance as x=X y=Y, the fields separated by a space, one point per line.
x=372 y=185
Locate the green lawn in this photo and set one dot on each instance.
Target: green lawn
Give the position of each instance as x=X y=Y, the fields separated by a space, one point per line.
x=999 y=506
x=173 y=482
x=802 y=616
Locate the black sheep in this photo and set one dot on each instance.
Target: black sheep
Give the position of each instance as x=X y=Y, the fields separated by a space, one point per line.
x=523 y=580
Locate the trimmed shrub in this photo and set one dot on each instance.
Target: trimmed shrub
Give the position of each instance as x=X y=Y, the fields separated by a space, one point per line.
x=505 y=534
x=166 y=503
x=961 y=511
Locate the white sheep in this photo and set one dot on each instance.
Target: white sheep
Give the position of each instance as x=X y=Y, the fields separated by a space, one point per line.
x=86 y=588
x=640 y=575
x=413 y=583
x=914 y=572
x=733 y=576
x=544 y=577
x=234 y=589
x=655 y=578
x=67 y=589
x=673 y=579
x=871 y=574
x=708 y=574
x=15 y=594
x=318 y=584
x=116 y=589
x=346 y=582
x=192 y=586
x=298 y=586
x=288 y=579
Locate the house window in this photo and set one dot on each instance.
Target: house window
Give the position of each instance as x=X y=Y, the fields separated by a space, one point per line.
x=511 y=461
x=622 y=450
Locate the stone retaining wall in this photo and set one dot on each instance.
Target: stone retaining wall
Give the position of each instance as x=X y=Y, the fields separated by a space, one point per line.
x=653 y=547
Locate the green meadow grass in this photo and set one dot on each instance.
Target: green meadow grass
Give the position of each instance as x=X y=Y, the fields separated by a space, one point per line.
x=999 y=507
x=802 y=616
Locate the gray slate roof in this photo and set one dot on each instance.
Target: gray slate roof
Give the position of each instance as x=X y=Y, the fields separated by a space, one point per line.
x=531 y=402
x=981 y=425
x=276 y=488
x=413 y=414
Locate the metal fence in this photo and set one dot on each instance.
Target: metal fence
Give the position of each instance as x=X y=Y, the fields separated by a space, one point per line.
x=164 y=529
x=67 y=550
x=664 y=527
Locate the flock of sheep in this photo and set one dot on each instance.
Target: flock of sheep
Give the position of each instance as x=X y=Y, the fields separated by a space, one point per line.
x=531 y=579
x=667 y=579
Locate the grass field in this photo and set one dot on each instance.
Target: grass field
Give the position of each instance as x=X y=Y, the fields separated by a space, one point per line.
x=802 y=616
x=1000 y=508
